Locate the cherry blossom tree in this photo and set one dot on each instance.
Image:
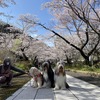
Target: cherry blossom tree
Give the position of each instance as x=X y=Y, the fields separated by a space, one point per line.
x=29 y=48
x=4 y=4
x=75 y=17
x=26 y=28
x=65 y=51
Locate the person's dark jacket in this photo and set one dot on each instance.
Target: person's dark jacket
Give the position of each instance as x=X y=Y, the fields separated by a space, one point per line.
x=7 y=66
x=20 y=72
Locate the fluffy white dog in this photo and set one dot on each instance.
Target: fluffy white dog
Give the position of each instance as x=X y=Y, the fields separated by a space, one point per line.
x=60 y=77
x=37 y=77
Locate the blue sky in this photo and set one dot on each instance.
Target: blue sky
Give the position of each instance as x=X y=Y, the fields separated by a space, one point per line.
x=27 y=6
x=24 y=7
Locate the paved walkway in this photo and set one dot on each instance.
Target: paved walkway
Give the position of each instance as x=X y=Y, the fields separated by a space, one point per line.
x=79 y=90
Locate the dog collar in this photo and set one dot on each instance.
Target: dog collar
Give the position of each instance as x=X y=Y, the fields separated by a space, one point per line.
x=36 y=76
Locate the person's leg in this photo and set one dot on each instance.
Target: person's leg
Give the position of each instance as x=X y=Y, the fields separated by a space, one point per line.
x=8 y=79
x=2 y=79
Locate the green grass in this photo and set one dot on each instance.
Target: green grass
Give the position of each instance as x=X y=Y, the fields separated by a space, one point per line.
x=17 y=83
x=24 y=65
x=84 y=69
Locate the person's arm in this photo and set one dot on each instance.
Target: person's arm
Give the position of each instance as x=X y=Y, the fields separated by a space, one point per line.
x=21 y=72
x=17 y=70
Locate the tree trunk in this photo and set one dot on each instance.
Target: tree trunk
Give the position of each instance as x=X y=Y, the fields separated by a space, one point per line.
x=24 y=55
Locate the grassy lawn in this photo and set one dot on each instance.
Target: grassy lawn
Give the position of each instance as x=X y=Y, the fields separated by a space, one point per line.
x=17 y=83
x=85 y=69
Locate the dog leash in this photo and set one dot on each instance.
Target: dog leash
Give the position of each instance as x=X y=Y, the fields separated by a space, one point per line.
x=36 y=94
x=72 y=93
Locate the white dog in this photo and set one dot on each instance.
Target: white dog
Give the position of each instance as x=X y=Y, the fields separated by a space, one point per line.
x=37 y=77
x=60 y=77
